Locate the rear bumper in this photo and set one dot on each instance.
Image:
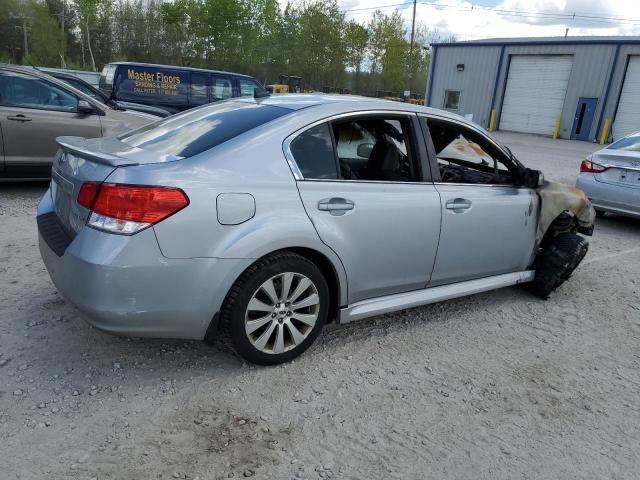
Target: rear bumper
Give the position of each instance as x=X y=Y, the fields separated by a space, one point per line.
x=609 y=197
x=124 y=285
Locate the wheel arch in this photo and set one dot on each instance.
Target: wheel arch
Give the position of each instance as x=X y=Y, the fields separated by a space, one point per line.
x=330 y=273
x=329 y=265
x=565 y=222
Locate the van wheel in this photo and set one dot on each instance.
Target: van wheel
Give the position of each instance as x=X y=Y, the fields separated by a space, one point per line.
x=557 y=262
x=276 y=309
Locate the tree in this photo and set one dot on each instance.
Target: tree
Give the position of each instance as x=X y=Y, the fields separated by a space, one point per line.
x=356 y=40
x=90 y=13
x=46 y=38
x=388 y=48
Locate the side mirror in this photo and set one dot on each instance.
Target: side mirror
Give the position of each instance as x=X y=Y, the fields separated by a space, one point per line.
x=85 y=107
x=365 y=149
x=532 y=178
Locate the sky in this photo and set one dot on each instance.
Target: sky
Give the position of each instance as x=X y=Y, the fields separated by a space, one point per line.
x=476 y=19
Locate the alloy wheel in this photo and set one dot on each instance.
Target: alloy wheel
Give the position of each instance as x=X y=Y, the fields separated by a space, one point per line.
x=282 y=312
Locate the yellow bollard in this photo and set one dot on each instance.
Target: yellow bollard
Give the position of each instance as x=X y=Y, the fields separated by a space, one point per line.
x=492 y=120
x=605 y=131
x=556 y=129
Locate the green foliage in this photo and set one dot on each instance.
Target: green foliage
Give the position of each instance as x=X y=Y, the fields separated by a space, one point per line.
x=309 y=38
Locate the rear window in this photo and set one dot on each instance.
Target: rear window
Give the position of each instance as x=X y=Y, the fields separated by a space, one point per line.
x=631 y=144
x=190 y=133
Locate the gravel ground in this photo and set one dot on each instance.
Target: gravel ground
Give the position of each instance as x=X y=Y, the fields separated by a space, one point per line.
x=499 y=385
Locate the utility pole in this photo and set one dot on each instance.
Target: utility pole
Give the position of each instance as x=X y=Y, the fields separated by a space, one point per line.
x=25 y=29
x=413 y=31
x=63 y=63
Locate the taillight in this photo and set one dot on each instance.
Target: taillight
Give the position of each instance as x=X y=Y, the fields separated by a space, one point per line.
x=87 y=194
x=588 y=166
x=127 y=209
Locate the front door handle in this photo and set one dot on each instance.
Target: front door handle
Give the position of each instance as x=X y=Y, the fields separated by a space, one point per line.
x=458 y=205
x=19 y=118
x=336 y=205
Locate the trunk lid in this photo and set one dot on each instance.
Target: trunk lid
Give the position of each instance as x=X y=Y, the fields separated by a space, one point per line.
x=80 y=160
x=623 y=168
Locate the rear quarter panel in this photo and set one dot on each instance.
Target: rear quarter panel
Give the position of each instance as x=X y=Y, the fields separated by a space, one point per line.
x=252 y=163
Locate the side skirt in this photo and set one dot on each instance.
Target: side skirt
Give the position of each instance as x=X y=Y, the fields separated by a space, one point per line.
x=402 y=301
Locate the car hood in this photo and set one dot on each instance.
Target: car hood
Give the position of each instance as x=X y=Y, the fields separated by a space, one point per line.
x=556 y=198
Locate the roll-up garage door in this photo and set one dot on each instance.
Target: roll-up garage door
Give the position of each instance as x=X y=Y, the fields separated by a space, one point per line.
x=628 y=116
x=535 y=91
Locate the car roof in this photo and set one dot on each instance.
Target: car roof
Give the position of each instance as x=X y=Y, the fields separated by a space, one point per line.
x=177 y=67
x=298 y=101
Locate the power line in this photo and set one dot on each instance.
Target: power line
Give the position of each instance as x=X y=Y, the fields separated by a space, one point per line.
x=536 y=13
x=518 y=13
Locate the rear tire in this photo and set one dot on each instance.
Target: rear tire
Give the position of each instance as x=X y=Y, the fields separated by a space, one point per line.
x=557 y=262
x=276 y=309
x=600 y=213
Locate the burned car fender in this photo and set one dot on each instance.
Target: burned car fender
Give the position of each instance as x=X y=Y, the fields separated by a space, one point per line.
x=566 y=205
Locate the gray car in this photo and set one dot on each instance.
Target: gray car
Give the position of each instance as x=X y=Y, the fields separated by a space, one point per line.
x=261 y=219
x=611 y=177
x=35 y=108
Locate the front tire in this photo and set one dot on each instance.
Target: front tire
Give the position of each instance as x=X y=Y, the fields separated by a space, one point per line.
x=557 y=262
x=276 y=309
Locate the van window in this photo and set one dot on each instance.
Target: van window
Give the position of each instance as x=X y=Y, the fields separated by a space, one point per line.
x=151 y=84
x=106 y=79
x=221 y=88
x=192 y=132
x=198 y=89
x=247 y=87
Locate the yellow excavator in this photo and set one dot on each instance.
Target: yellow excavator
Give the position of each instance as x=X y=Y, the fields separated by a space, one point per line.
x=288 y=84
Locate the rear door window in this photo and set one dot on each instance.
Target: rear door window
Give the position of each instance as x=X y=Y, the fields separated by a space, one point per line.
x=220 y=88
x=314 y=154
x=192 y=132
x=199 y=91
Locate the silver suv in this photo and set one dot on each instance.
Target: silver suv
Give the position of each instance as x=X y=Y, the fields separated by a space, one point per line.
x=262 y=219
x=35 y=108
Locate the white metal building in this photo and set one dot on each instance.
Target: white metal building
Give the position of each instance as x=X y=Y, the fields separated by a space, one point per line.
x=583 y=88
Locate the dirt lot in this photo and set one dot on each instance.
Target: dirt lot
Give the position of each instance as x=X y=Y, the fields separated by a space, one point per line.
x=500 y=385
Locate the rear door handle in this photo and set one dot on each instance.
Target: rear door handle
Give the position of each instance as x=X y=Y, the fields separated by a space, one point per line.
x=336 y=205
x=458 y=205
x=19 y=118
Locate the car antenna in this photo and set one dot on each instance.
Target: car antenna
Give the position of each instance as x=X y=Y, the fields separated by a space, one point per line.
x=261 y=93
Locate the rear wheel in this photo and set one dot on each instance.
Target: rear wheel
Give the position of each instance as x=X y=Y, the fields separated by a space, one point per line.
x=276 y=309
x=600 y=213
x=557 y=262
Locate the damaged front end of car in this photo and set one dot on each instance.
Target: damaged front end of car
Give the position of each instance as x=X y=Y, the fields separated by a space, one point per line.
x=563 y=209
x=564 y=212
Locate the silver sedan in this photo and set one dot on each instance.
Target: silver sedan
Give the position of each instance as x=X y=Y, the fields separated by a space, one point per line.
x=611 y=177
x=261 y=219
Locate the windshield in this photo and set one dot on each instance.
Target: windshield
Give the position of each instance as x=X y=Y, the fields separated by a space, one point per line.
x=194 y=131
x=631 y=144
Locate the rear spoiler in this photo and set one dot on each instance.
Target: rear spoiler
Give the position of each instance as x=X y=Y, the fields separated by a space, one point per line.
x=77 y=146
